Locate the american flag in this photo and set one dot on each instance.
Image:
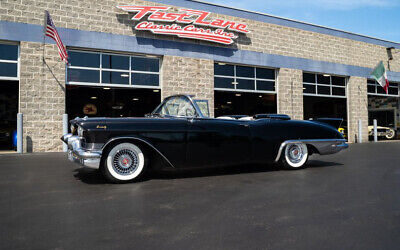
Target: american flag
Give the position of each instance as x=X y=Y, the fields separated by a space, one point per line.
x=51 y=32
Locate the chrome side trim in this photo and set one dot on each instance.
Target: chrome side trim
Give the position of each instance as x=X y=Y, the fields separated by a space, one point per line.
x=139 y=139
x=324 y=146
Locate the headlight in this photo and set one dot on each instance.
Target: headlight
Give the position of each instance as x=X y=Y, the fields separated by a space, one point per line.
x=80 y=131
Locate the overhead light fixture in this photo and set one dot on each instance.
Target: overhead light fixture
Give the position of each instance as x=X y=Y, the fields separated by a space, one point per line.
x=235 y=83
x=326 y=75
x=390 y=53
x=106 y=88
x=238 y=94
x=260 y=96
x=135 y=99
x=93 y=97
x=124 y=75
x=156 y=90
x=228 y=102
x=220 y=63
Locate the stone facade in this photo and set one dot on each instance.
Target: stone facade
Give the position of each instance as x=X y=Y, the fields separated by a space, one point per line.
x=182 y=75
x=103 y=16
x=42 y=97
x=42 y=86
x=290 y=93
x=357 y=108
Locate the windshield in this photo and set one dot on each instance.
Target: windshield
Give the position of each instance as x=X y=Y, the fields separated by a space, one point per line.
x=177 y=106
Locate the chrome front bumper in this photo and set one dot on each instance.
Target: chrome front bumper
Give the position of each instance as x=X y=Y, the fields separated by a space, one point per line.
x=324 y=146
x=77 y=154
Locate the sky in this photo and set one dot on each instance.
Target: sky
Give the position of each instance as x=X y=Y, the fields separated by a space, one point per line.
x=376 y=18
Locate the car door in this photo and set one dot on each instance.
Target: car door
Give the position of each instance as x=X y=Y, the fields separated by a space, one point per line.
x=217 y=142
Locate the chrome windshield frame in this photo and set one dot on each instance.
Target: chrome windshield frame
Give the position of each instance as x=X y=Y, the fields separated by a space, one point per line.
x=197 y=114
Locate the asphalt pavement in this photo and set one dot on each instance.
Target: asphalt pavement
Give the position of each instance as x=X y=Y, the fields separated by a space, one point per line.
x=350 y=200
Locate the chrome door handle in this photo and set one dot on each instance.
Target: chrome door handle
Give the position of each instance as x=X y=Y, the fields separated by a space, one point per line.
x=244 y=124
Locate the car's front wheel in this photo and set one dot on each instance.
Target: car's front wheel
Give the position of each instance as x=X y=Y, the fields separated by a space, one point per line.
x=124 y=162
x=295 y=156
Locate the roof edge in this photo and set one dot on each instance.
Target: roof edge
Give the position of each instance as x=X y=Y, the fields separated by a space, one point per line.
x=255 y=15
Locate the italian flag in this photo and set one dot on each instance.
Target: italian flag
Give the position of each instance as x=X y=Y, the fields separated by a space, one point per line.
x=379 y=74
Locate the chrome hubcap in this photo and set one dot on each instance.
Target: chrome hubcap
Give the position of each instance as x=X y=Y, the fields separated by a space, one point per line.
x=125 y=162
x=295 y=153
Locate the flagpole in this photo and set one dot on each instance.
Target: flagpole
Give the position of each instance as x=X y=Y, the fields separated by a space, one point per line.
x=44 y=33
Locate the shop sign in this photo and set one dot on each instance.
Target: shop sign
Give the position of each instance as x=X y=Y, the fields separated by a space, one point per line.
x=188 y=23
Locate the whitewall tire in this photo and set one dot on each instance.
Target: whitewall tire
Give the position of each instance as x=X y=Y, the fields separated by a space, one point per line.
x=124 y=162
x=295 y=156
x=391 y=134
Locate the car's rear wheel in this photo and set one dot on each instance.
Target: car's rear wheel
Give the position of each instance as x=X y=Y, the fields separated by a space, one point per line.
x=390 y=135
x=123 y=163
x=295 y=156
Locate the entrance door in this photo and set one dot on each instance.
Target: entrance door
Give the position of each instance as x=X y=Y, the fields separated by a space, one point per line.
x=217 y=142
x=8 y=114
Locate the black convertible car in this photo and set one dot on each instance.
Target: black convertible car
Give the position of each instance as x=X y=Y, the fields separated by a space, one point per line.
x=179 y=134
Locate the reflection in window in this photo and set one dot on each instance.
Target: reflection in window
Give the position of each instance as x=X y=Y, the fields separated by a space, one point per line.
x=243 y=71
x=323 y=84
x=83 y=75
x=87 y=67
x=8 y=69
x=237 y=77
x=224 y=83
x=145 y=79
x=203 y=106
x=8 y=61
x=374 y=88
x=224 y=69
x=115 y=62
x=145 y=64
x=84 y=59
x=115 y=77
x=177 y=106
x=8 y=52
x=245 y=84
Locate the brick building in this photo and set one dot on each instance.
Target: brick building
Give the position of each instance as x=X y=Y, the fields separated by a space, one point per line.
x=117 y=69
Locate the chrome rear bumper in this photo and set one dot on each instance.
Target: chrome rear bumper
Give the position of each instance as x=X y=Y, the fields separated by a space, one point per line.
x=324 y=146
x=77 y=154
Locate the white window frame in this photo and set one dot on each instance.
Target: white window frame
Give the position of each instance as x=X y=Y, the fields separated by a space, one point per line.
x=377 y=85
x=8 y=78
x=234 y=78
x=101 y=69
x=330 y=85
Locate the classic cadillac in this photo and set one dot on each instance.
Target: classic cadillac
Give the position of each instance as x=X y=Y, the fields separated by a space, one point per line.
x=179 y=134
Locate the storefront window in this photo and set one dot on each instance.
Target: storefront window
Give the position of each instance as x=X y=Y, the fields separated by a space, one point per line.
x=94 y=68
x=244 y=78
x=375 y=88
x=324 y=85
x=8 y=62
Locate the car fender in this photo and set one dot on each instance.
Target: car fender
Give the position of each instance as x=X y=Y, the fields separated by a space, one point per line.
x=140 y=140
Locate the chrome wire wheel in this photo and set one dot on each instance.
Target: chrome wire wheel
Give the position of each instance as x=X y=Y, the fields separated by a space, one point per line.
x=124 y=162
x=296 y=155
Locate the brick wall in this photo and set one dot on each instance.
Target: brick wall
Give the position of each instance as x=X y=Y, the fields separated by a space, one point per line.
x=42 y=97
x=357 y=106
x=290 y=93
x=103 y=16
x=182 y=75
